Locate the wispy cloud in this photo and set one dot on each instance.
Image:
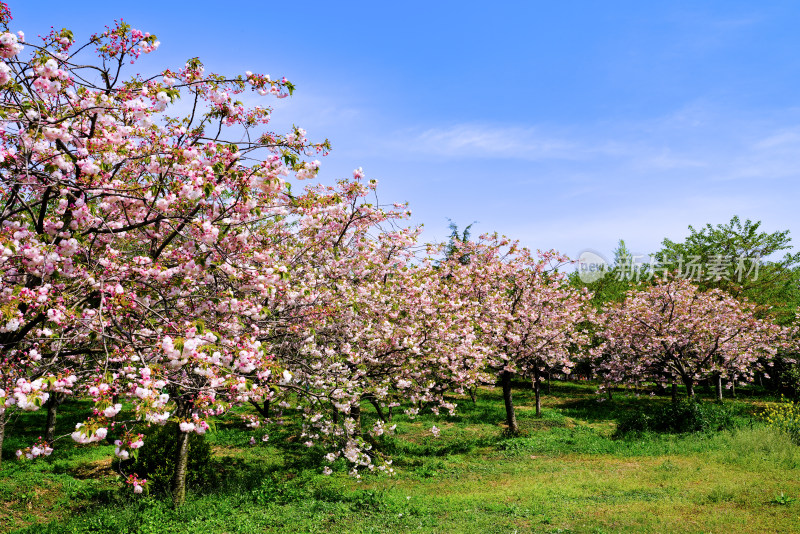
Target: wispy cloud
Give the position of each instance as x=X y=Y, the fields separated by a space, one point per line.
x=705 y=142
x=482 y=141
x=586 y=186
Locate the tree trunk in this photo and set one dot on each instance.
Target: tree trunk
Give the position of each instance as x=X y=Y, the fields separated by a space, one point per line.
x=689 y=389
x=733 y=388
x=549 y=378
x=511 y=417
x=537 y=391
x=262 y=410
x=610 y=392
x=2 y=435
x=719 y=387
x=377 y=405
x=55 y=400
x=472 y=391
x=355 y=413
x=674 y=392
x=181 y=463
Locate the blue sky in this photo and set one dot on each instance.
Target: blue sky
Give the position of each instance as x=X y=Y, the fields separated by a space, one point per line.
x=566 y=125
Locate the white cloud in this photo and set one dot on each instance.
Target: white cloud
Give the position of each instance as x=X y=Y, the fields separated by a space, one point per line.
x=587 y=186
x=710 y=144
x=481 y=141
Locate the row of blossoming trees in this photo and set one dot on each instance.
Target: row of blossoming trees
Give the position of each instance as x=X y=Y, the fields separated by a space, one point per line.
x=162 y=267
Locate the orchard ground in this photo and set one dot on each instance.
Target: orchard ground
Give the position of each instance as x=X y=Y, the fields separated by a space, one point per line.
x=566 y=472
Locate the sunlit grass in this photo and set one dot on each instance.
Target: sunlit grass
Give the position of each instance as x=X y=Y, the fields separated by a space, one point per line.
x=566 y=472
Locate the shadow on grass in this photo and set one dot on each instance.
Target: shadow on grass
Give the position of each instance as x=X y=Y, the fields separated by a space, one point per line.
x=24 y=428
x=598 y=409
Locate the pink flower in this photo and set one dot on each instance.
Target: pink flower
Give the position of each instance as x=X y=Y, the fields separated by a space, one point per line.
x=111 y=411
x=186 y=427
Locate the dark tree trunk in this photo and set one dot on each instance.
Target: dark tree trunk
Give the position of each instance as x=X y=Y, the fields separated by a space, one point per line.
x=718 y=381
x=262 y=410
x=472 y=396
x=375 y=403
x=181 y=463
x=355 y=413
x=537 y=391
x=55 y=400
x=674 y=392
x=2 y=434
x=511 y=417
x=733 y=388
x=610 y=392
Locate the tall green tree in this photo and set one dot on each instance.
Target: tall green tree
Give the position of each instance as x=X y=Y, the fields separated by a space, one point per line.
x=457 y=239
x=742 y=260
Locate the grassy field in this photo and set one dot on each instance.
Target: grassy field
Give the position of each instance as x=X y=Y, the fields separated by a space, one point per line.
x=567 y=472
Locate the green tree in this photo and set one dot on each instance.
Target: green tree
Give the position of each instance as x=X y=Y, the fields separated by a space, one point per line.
x=739 y=259
x=456 y=239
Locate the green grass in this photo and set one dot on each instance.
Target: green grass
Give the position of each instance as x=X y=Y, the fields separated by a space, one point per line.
x=565 y=472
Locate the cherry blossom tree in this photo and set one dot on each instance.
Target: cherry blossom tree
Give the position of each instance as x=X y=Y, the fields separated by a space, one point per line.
x=383 y=324
x=136 y=246
x=742 y=260
x=531 y=316
x=671 y=331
